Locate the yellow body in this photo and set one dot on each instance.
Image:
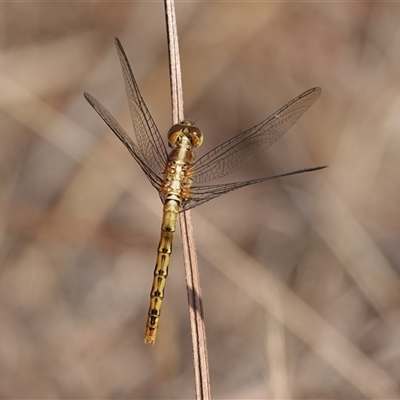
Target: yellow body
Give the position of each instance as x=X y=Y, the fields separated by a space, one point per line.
x=175 y=189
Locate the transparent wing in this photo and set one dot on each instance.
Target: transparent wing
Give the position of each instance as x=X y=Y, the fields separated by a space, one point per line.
x=154 y=178
x=149 y=140
x=239 y=151
x=202 y=194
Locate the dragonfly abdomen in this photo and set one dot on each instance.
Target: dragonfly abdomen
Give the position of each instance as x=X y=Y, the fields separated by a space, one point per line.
x=168 y=226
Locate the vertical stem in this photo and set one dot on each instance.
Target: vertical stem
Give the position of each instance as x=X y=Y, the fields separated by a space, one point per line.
x=199 y=341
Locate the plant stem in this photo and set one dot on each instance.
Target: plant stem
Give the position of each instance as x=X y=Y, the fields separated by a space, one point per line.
x=196 y=315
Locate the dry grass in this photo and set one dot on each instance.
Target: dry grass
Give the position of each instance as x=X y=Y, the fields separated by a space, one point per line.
x=300 y=276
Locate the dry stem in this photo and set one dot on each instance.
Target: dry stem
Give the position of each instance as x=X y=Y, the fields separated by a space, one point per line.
x=199 y=342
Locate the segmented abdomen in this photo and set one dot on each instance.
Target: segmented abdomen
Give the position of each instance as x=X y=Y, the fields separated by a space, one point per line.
x=168 y=226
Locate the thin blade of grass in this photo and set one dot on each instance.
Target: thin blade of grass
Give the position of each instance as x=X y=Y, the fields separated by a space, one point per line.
x=196 y=315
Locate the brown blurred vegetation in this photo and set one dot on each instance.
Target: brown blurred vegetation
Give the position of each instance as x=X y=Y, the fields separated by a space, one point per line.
x=300 y=276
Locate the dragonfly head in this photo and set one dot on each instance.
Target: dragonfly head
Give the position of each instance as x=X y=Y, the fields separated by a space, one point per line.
x=185 y=129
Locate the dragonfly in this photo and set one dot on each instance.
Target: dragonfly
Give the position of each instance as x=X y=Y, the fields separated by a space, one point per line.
x=178 y=178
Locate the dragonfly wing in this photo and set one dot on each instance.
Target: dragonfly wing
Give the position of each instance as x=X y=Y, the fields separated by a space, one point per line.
x=202 y=194
x=154 y=178
x=239 y=151
x=148 y=137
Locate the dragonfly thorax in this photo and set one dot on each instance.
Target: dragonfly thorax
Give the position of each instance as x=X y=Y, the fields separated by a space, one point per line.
x=185 y=129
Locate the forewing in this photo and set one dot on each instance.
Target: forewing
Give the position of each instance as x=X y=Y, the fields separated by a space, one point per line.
x=239 y=151
x=154 y=178
x=202 y=194
x=149 y=140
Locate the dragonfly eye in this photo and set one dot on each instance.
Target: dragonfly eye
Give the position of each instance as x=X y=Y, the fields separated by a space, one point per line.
x=196 y=136
x=174 y=133
x=187 y=129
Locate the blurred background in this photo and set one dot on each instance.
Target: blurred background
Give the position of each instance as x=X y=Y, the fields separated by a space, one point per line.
x=300 y=276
